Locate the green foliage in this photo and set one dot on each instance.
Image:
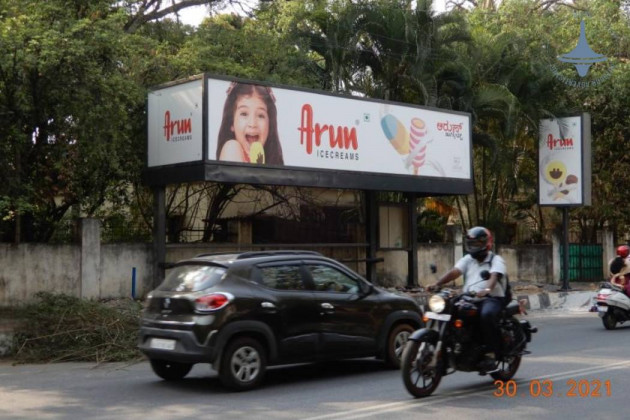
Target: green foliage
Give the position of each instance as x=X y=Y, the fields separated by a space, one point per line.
x=245 y=47
x=431 y=226
x=58 y=327
x=74 y=77
x=70 y=111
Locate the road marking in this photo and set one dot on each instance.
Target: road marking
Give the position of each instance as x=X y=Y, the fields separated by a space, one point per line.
x=379 y=409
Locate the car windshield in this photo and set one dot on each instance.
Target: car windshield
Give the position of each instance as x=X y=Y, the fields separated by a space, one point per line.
x=191 y=278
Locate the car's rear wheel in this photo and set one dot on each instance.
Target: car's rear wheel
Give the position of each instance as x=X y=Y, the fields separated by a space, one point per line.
x=170 y=371
x=396 y=342
x=243 y=364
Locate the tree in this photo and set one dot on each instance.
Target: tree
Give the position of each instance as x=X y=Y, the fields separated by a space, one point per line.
x=70 y=112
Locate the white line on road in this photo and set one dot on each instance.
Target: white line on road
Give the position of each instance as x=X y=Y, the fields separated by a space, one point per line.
x=378 y=409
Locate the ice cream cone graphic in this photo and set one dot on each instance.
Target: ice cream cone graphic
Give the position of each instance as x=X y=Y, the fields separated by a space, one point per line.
x=396 y=133
x=417 y=144
x=257 y=153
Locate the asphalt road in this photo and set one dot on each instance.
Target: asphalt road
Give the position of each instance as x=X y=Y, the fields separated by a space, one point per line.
x=573 y=359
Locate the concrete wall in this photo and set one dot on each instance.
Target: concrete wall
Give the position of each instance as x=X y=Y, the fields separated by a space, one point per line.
x=30 y=268
x=530 y=263
x=116 y=269
x=105 y=270
x=26 y=269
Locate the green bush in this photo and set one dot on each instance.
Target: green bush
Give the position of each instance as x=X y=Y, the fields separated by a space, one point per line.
x=58 y=327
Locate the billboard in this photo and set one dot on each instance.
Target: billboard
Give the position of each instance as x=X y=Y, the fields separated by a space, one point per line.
x=175 y=124
x=564 y=161
x=319 y=131
x=257 y=133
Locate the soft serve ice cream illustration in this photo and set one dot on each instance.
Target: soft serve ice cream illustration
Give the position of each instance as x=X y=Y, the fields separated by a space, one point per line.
x=418 y=144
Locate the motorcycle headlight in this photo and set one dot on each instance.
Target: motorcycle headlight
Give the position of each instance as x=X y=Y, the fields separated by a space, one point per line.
x=437 y=304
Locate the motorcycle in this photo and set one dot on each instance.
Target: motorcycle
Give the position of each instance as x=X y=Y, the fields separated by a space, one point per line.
x=612 y=305
x=451 y=342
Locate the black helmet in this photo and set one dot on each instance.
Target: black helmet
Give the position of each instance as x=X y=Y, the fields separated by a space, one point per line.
x=478 y=242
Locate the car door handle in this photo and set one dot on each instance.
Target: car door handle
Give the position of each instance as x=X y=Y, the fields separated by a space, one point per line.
x=268 y=306
x=327 y=308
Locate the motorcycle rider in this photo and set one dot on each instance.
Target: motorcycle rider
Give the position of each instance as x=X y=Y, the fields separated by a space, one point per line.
x=620 y=269
x=478 y=243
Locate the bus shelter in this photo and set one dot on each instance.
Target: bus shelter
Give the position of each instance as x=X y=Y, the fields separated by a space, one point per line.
x=226 y=130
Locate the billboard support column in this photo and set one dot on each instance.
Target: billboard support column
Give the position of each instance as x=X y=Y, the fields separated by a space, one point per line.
x=412 y=260
x=371 y=219
x=159 y=234
x=565 y=249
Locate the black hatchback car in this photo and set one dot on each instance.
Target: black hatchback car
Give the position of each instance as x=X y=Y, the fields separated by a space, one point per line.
x=245 y=311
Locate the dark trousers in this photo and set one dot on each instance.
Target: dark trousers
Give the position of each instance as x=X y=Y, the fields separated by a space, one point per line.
x=489 y=311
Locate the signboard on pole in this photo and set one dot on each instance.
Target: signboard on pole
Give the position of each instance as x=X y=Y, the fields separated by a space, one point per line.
x=564 y=161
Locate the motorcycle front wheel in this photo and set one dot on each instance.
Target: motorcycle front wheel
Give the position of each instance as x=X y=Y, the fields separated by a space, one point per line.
x=420 y=376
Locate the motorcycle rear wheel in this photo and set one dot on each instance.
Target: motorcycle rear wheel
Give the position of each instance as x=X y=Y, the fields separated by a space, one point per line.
x=609 y=321
x=507 y=368
x=419 y=378
x=514 y=336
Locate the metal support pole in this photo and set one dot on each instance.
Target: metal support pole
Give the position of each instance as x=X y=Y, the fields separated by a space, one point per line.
x=412 y=222
x=565 y=249
x=371 y=213
x=159 y=234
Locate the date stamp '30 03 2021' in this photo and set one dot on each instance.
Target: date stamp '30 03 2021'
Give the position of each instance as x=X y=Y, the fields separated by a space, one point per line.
x=546 y=388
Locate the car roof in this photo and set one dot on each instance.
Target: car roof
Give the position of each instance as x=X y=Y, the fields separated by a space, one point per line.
x=249 y=257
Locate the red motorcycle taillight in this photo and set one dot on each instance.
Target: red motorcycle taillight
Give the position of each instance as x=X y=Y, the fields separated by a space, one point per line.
x=601 y=296
x=212 y=302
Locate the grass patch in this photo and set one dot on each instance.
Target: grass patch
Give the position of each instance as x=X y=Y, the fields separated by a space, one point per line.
x=58 y=327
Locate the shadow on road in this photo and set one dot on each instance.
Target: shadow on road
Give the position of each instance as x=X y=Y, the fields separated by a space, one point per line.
x=279 y=376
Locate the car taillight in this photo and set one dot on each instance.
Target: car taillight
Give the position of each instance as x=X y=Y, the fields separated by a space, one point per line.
x=212 y=302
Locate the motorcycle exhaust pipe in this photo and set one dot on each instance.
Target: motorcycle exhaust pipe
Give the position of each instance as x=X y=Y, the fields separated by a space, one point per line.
x=529 y=330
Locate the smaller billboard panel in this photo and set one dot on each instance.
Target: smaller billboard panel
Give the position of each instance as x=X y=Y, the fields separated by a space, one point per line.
x=564 y=162
x=175 y=124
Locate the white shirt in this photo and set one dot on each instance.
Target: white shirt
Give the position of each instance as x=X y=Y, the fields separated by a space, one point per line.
x=471 y=269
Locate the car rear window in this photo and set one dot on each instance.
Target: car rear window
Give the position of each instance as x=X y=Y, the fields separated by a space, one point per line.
x=191 y=278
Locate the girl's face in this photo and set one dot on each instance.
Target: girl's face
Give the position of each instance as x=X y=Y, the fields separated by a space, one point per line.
x=251 y=121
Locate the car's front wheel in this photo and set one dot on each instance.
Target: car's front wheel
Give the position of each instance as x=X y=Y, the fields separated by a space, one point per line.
x=170 y=371
x=243 y=364
x=396 y=342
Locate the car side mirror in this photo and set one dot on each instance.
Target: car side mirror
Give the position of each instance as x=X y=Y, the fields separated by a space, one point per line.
x=366 y=288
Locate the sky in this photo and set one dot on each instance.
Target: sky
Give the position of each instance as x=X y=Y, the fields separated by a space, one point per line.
x=194 y=15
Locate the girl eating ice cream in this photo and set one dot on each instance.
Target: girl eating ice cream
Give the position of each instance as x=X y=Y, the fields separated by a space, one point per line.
x=249 y=129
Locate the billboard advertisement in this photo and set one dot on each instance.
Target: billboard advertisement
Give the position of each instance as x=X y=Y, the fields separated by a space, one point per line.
x=238 y=131
x=255 y=124
x=564 y=161
x=175 y=124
